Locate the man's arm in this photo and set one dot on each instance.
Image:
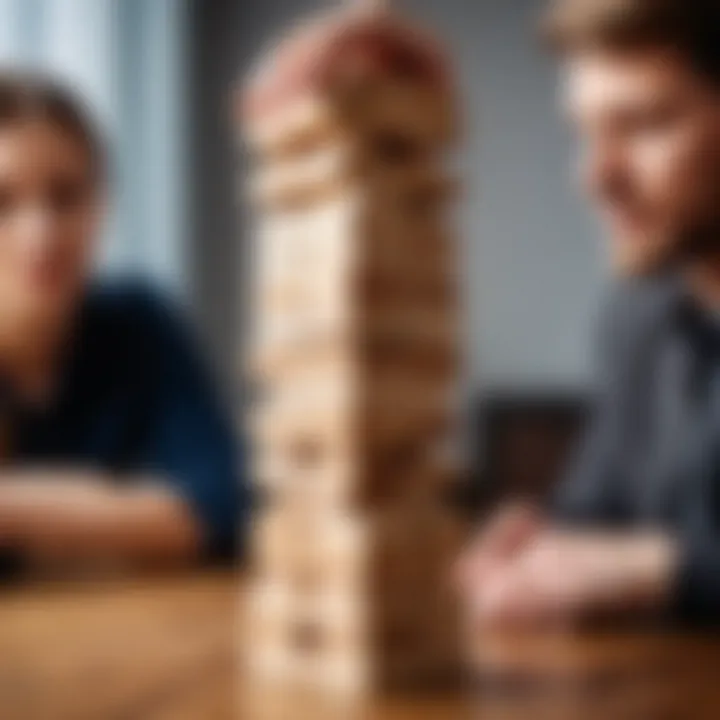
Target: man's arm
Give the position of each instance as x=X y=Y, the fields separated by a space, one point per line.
x=570 y=575
x=584 y=557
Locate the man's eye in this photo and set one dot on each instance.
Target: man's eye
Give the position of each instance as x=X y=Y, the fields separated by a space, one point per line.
x=656 y=120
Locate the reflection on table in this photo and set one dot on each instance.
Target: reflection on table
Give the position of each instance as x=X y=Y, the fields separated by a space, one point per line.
x=168 y=649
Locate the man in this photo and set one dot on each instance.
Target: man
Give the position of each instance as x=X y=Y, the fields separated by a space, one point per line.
x=635 y=528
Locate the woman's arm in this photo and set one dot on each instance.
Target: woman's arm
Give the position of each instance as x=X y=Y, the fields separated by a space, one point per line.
x=173 y=492
x=66 y=518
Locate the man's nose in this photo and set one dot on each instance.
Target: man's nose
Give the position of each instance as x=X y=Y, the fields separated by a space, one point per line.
x=602 y=169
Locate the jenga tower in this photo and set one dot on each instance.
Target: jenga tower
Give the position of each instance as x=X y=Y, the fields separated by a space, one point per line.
x=355 y=352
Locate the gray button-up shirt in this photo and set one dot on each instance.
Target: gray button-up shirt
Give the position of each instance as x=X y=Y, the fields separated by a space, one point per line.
x=652 y=455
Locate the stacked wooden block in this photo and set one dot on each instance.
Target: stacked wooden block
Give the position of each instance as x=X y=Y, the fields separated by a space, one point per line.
x=355 y=354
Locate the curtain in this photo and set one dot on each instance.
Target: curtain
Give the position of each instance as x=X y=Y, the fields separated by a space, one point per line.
x=128 y=60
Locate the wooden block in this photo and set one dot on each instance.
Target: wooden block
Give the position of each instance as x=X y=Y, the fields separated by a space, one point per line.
x=280 y=347
x=303 y=180
x=418 y=469
x=375 y=424
x=307 y=640
x=333 y=436
x=313 y=118
x=384 y=554
x=335 y=299
x=413 y=110
x=300 y=243
x=331 y=556
x=375 y=558
x=367 y=596
x=266 y=610
x=405 y=333
x=310 y=120
x=377 y=221
x=346 y=271
x=330 y=300
x=329 y=484
x=329 y=481
x=432 y=350
x=315 y=657
x=333 y=172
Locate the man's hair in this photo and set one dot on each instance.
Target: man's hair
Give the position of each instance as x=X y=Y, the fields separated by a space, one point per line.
x=689 y=27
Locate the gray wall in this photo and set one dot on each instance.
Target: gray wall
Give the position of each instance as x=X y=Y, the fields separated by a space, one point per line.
x=533 y=266
x=218 y=30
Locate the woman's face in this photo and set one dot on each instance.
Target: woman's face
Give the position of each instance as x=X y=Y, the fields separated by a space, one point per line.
x=49 y=211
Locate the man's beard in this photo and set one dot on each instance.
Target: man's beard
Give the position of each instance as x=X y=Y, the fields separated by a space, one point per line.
x=699 y=243
x=671 y=253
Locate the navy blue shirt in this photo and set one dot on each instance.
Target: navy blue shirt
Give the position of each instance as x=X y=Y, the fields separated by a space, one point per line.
x=135 y=400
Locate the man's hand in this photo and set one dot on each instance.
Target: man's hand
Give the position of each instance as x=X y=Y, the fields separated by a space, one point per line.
x=562 y=577
x=497 y=545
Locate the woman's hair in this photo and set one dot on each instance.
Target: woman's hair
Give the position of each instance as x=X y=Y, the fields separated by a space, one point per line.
x=691 y=27
x=30 y=96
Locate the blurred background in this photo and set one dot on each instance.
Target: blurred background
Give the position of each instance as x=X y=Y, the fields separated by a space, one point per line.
x=159 y=76
x=533 y=266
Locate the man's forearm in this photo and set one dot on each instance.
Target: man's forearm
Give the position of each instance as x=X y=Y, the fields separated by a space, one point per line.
x=71 y=518
x=567 y=574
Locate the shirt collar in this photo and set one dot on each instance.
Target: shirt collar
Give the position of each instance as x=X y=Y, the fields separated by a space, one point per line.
x=698 y=324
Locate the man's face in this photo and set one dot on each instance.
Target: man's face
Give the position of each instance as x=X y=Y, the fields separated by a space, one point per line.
x=650 y=132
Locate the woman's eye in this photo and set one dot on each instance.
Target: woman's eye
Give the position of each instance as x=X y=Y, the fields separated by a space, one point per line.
x=7 y=202
x=64 y=195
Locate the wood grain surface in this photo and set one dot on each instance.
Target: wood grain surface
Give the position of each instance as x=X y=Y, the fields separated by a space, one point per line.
x=167 y=649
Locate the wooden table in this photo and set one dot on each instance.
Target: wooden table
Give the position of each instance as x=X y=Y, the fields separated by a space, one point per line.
x=160 y=649
x=166 y=649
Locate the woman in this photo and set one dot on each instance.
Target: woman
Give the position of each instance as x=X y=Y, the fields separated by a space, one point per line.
x=114 y=446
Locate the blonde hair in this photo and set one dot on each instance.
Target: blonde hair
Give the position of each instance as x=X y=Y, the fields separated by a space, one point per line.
x=689 y=27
